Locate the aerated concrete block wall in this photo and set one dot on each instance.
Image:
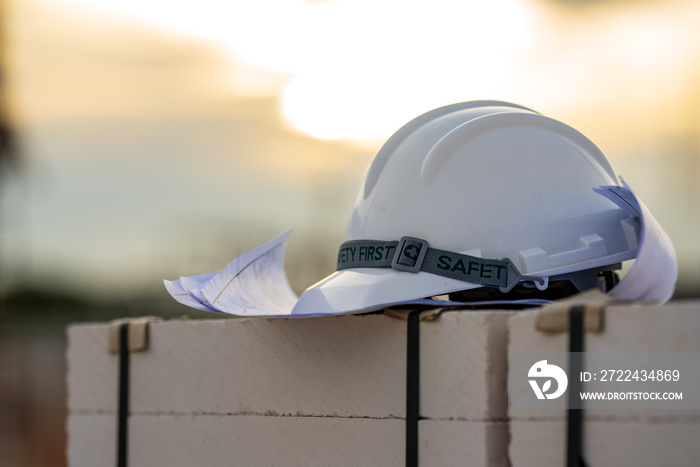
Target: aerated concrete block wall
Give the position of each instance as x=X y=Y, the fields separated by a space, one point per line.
x=331 y=391
x=316 y=391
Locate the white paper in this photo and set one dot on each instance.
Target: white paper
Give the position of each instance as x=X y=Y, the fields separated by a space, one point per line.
x=178 y=292
x=254 y=284
x=193 y=286
x=655 y=272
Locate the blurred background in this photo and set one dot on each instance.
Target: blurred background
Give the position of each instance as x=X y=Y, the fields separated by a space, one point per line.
x=144 y=139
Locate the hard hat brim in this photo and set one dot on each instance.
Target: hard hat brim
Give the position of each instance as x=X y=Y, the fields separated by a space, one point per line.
x=370 y=289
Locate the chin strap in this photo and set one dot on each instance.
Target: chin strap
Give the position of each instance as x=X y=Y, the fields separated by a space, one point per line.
x=413 y=255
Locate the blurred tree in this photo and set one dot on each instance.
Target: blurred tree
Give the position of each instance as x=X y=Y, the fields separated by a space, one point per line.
x=8 y=148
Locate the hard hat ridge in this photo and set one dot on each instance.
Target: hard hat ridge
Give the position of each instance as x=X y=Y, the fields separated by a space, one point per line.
x=388 y=148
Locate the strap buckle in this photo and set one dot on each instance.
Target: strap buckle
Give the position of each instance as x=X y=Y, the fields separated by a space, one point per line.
x=409 y=255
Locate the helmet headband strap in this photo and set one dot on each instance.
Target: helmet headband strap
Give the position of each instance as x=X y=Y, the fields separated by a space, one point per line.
x=414 y=255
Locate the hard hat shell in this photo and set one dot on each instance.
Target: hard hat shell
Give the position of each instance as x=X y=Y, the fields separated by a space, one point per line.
x=488 y=179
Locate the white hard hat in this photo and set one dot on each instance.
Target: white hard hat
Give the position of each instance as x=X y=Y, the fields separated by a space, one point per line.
x=477 y=194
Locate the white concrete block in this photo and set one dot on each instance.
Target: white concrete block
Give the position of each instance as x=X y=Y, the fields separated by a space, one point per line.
x=673 y=327
x=607 y=443
x=335 y=366
x=670 y=328
x=612 y=437
x=258 y=441
x=460 y=443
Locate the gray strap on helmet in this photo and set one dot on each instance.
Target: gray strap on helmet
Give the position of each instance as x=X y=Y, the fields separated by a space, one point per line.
x=412 y=254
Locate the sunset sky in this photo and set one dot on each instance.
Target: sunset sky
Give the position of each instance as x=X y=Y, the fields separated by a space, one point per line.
x=165 y=138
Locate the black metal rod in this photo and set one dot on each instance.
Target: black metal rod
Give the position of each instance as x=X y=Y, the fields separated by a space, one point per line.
x=412 y=388
x=123 y=412
x=574 y=441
